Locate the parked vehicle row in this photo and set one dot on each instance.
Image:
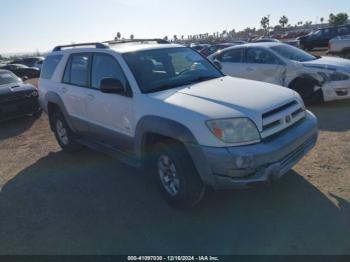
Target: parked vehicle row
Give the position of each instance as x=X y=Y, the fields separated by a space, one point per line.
x=166 y=108
x=322 y=36
x=316 y=79
x=22 y=71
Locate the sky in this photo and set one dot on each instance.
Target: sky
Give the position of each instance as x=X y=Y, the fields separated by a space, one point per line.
x=31 y=25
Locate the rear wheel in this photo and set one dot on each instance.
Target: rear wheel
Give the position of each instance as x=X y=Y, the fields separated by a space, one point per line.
x=177 y=177
x=64 y=135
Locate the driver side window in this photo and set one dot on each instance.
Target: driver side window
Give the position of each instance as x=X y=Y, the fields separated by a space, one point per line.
x=261 y=56
x=231 y=56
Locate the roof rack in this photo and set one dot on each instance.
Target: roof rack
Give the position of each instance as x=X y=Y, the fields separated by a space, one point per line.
x=124 y=41
x=97 y=45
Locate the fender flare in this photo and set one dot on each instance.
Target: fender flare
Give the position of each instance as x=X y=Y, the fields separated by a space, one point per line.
x=175 y=130
x=52 y=97
x=163 y=127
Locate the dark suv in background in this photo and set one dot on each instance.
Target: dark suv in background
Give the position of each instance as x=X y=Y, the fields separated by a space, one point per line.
x=321 y=37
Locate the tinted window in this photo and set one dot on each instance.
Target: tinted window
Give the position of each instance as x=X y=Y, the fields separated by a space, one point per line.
x=77 y=70
x=232 y=56
x=50 y=65
x=105 y=66
x=260 y=56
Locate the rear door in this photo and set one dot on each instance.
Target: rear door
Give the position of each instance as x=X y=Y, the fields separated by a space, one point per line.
x=231 y=62
x=262 y=65
x=73 y=89
x=110 y=115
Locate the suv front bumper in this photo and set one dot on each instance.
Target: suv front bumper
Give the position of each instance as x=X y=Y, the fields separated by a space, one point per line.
x=246 y=166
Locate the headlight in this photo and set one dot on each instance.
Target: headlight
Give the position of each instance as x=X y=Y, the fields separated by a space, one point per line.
x=333 y=76
x=300 y=100
x=238 y=131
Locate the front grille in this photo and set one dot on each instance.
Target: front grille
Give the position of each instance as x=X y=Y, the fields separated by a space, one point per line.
x=13 y=97
x=280 y=118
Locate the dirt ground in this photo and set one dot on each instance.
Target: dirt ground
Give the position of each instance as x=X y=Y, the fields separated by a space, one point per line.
x=52 y=202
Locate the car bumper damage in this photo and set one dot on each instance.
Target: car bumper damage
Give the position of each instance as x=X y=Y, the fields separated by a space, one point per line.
x=336 y=90
x=247 y=166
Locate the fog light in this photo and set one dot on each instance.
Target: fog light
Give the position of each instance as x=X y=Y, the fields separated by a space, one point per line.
x=342 y=92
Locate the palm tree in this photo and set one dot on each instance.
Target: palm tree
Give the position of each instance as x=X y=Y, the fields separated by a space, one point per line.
x=265 y=23
x=175 y=38
x=322 y=20
x=118 y=36
x=283 y=21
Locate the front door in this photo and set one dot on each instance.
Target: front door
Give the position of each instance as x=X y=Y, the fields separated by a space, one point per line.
x=262 y=65
x=110 y=115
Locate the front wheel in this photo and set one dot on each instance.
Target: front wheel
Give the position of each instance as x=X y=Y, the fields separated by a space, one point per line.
x=176 y=175
x=64 y=135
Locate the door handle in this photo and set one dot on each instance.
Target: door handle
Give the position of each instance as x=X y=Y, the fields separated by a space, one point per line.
x=91 y=97
x=64 y=90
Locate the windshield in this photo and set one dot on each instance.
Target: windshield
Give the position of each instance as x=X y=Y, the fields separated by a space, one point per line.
x=293 y=53
x=161 y=69
x=8 y=78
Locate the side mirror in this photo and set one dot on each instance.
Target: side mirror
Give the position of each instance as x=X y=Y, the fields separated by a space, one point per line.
x=217 y=64
x=112 y=85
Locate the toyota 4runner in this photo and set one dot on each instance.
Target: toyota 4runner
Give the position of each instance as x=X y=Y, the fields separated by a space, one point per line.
x=166 y=108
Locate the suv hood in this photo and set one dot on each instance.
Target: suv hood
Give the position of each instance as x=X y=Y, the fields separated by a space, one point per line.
x=329 y=63
x=228 y=97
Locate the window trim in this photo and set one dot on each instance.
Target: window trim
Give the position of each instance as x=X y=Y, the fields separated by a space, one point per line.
x=128 y=91
x=69 y=64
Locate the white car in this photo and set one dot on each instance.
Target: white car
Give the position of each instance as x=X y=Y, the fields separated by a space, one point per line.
x=165 y=107
x=316 y=79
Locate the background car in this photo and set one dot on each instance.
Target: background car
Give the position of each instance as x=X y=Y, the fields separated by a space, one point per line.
x=340 y=46
x=316 y=79
x=30 y=61
x=22 y=71
x=17 y=98
x=321 y=37
x=267 y=40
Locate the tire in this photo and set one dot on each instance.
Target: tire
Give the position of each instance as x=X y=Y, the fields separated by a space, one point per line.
x=176 y=175
x=64 y=135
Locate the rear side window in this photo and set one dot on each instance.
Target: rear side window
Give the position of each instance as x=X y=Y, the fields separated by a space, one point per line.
x=49 y=66
x=77 y=70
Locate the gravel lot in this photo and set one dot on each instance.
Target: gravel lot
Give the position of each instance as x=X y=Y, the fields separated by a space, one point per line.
x=52 y=202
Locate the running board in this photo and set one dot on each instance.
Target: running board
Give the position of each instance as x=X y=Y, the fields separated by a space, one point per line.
x=109 y=150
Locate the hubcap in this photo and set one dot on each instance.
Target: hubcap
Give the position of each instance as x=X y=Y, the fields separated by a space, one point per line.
x=61 y=132
x=168 y=175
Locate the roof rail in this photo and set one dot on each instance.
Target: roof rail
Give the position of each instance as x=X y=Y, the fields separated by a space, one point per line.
x=97 y=45
x=157 y=40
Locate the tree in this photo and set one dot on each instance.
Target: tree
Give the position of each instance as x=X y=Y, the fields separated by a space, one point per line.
x=118 y=36
x=175 y=37
x=265 y=23
x=283 y=21
x=166 y=38
x=132 y=37
x=339 y=19
x=322 y=20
